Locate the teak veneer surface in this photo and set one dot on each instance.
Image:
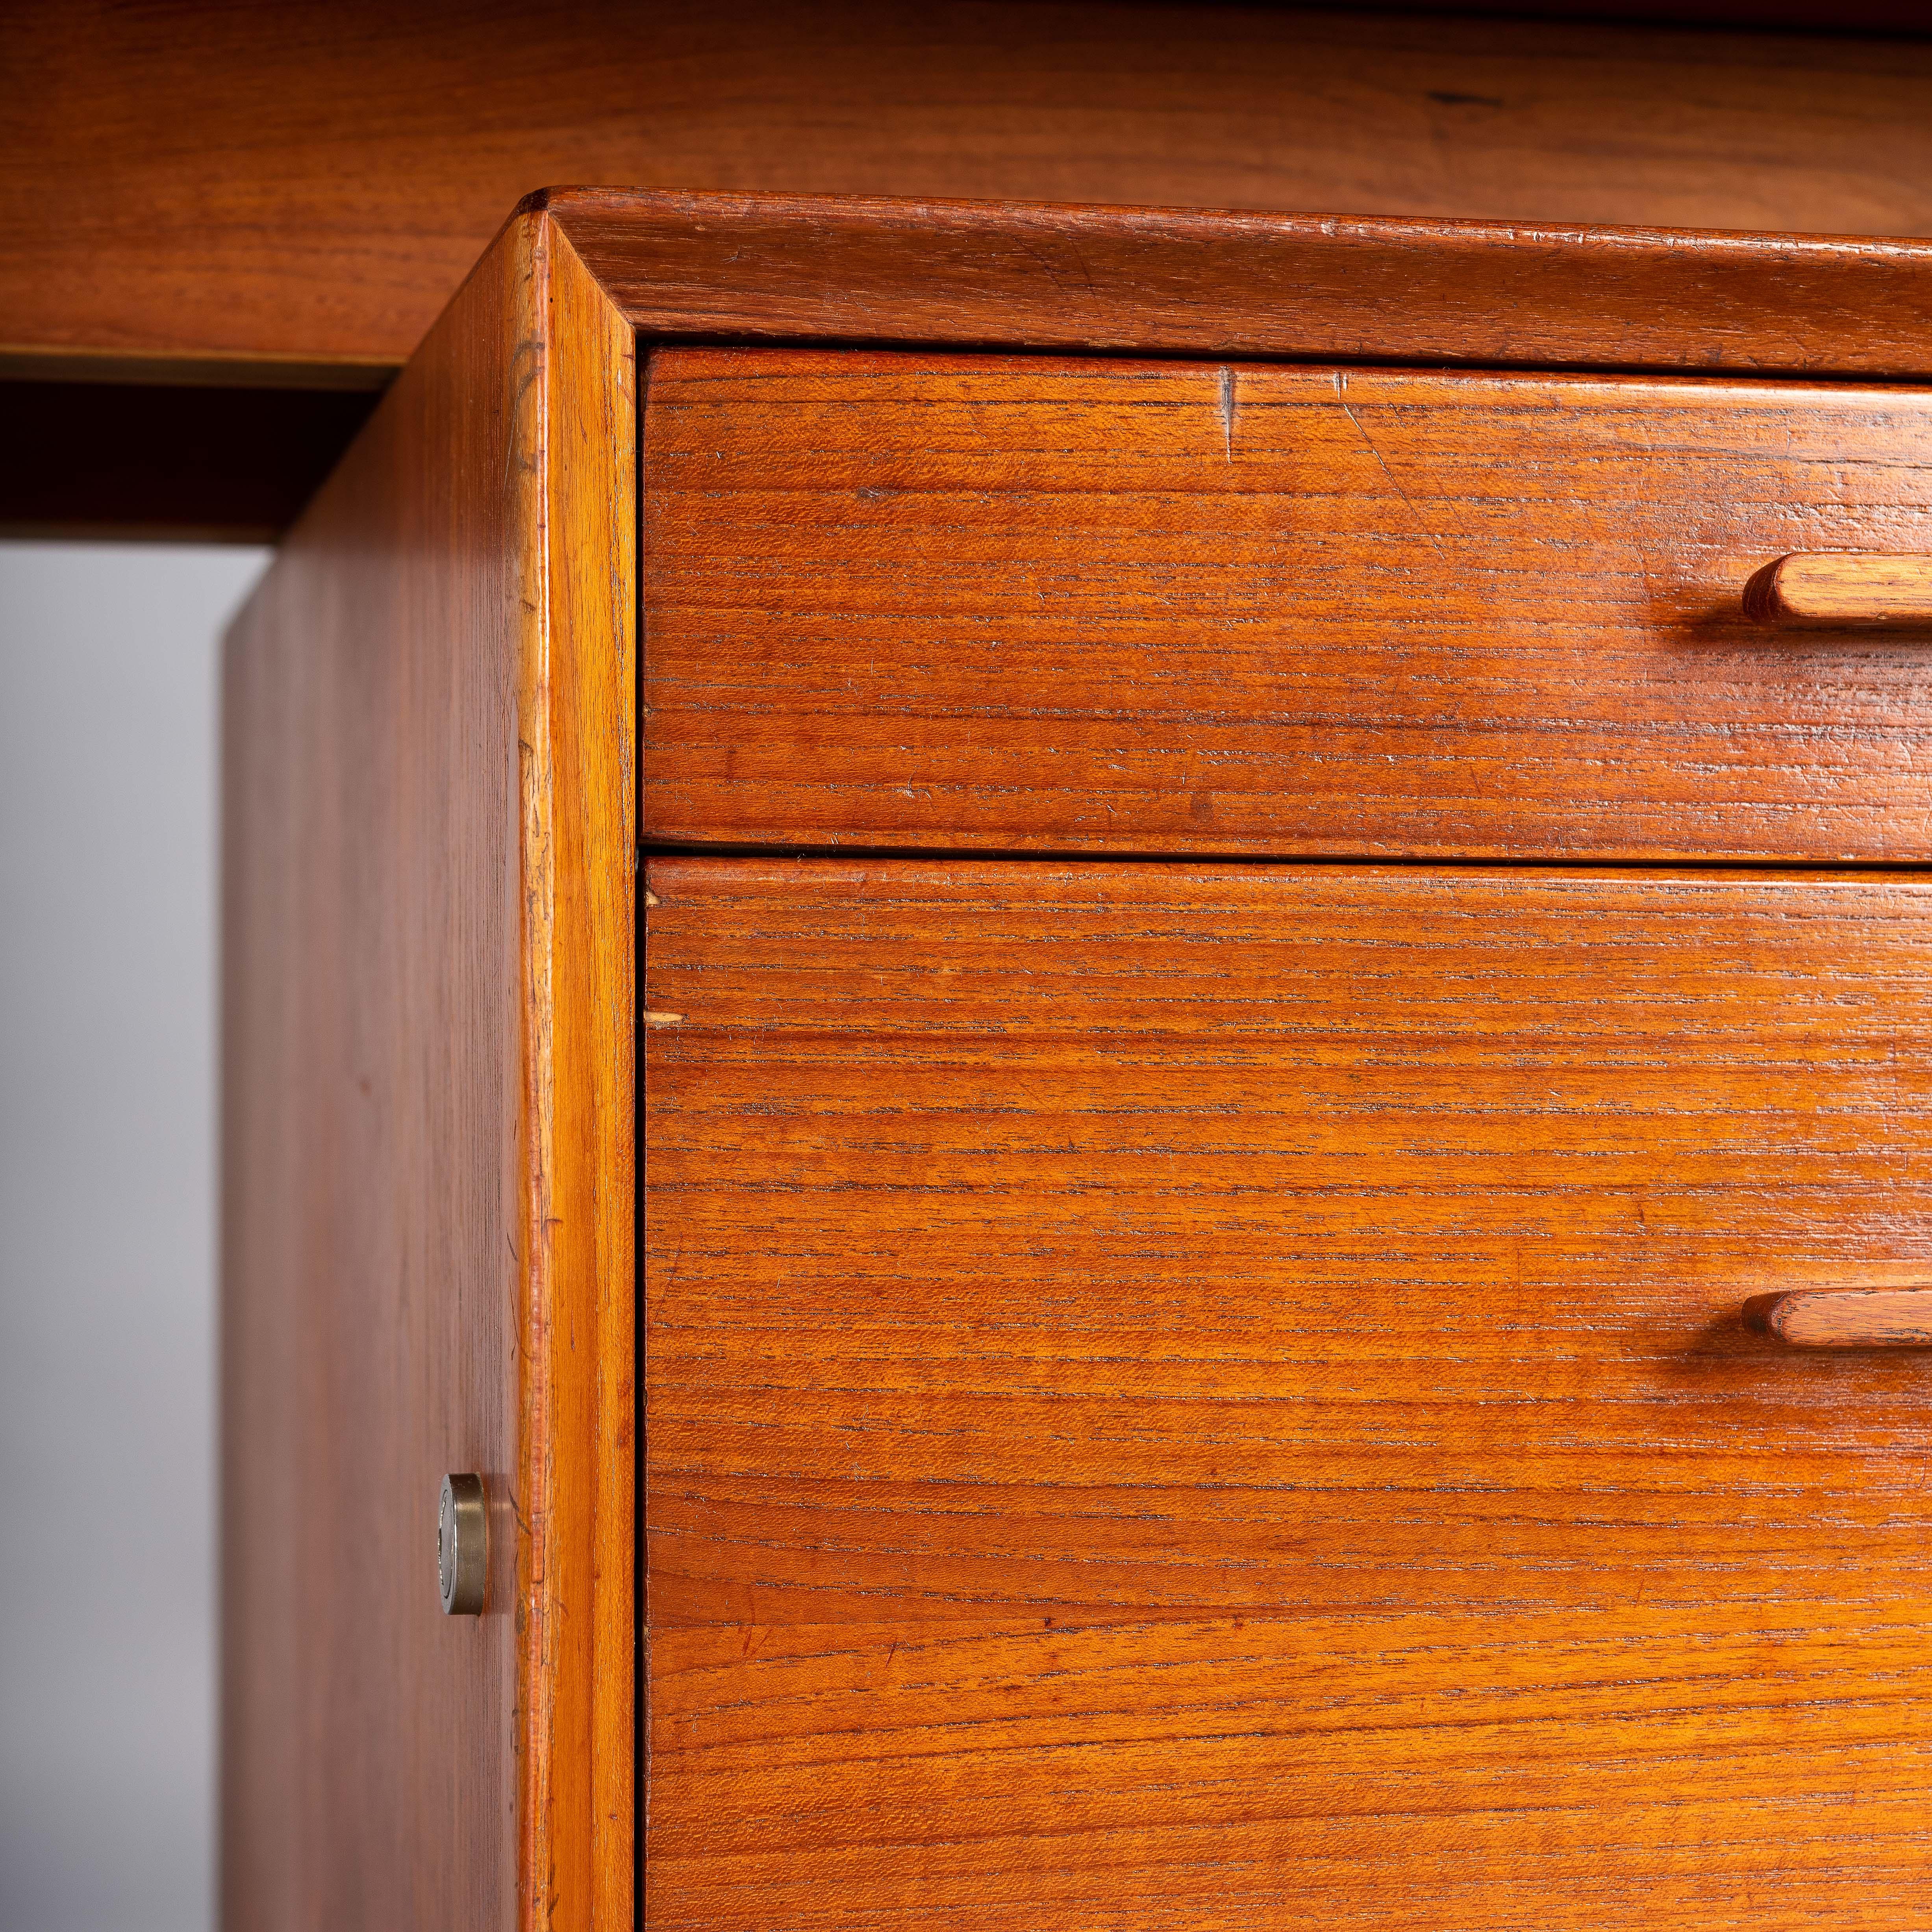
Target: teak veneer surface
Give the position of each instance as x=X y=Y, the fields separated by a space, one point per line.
x=308 y=183
x=1181 y=1396
x=789 y=268
x=1168 y=281
x=1189 y=1397
x=1011 y=602
x=429 y=845
x=1900 y=17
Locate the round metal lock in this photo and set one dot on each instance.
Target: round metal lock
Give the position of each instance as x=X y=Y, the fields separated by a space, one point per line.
x=462 y=1546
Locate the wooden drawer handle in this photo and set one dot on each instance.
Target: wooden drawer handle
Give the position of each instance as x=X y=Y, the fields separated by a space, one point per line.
x=1844 y=1318
x=1835 y=588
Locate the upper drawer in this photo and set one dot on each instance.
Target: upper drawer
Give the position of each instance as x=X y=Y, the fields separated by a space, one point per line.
x=1030 y=602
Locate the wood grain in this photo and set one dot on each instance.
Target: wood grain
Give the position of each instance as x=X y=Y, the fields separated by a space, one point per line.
x=1891 y=16
x=1202 y=1397
x=578 y=765
x=1170 y=281
x=1842 y=590
x=1866 y=1317
x=428 y=1143
x=1019 y=603
x=311 y=182
x=792 y=267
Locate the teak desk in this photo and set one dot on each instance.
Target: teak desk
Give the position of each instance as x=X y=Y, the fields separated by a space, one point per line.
x=1250 y=956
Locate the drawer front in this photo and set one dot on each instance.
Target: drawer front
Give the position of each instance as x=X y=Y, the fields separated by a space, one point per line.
x=1026 y=603
x=1213 y=1397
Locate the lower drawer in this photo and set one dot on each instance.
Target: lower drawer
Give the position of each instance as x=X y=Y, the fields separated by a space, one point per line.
x=1190 y=1396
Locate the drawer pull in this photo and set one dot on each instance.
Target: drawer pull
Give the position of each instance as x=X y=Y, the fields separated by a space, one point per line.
x=1836 y=588
x=1842 y=1317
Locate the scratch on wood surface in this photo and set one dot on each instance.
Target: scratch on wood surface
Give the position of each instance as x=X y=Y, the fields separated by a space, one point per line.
x=1540 y=698
x=662 y=1019
x=1342 y=397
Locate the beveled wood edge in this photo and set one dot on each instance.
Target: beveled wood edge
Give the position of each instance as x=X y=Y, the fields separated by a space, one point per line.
x=1888 y=18
x=1170 y=281
x=935 y=273
x=38 y=364
x=591 y=537
x=577 y=523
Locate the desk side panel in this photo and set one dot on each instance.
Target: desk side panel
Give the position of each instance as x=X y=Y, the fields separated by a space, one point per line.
x=427 y=1192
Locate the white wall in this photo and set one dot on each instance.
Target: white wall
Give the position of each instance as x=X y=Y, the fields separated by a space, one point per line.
x=107 y=889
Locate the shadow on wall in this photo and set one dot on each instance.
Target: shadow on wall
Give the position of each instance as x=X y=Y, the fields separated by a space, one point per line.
x=107 y=953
